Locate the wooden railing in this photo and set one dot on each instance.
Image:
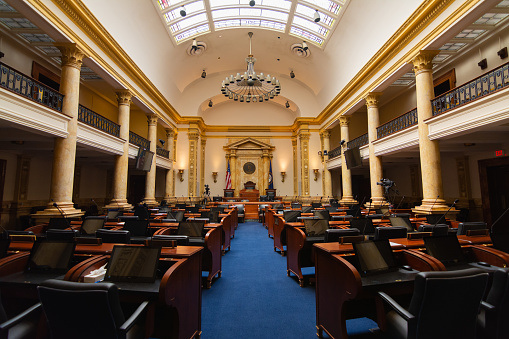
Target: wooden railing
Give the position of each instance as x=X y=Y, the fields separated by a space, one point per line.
x=482 y=86
x=135 y=139
x=358 y=142
x=96 y=120
x=397 y=124
x=30 y=88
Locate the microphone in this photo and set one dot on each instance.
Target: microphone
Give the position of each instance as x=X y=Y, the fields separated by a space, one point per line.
x=443 y=216
x=434 y=203
x=94 y=202
x=367 y=216
x=358 y=211
x=61 y=213
x=397 y=208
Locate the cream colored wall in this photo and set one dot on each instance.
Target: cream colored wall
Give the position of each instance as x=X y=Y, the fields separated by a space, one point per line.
x=251 y=114
x=182 y=162
x=358 y=124
x=138 y=123
x=215 y=162
x=282 y=161
x=400 y=105
x=98 y=104
x=335 y=137
x=10 y=175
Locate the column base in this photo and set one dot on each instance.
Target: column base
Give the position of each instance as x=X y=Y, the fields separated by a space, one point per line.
x=431 y=206
x=348 y=201
x=376 y=202
x=150 y=202
x=306 y=199
x=67 y=209
x=120 y=204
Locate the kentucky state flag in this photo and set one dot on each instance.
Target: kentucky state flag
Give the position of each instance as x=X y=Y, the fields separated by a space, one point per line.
x=271 y=182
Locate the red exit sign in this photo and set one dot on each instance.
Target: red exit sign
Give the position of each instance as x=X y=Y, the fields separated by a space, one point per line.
x=499 y=153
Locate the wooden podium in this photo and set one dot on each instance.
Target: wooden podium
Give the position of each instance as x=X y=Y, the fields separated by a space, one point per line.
x=250 y=193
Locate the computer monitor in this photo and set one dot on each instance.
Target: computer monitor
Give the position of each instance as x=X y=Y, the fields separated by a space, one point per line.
x=291 y=215
x=51 y=256
x=191 y=228
x=447 y=249
x=133 y=264
x=91 y=225
x=315 y=227
x=374 y=256
x=400 y=221
x=353 y=157
x=364 y=225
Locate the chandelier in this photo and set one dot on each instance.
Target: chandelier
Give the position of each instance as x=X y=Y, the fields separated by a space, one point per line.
x=250 y=87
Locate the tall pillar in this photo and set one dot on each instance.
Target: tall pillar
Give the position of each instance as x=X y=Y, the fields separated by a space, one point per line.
x=233 y=172
x=64 y=155
x=346 y=175
x=202 y=165
x=193 y=135
x=429 y=150
x=327 y=183
x=265 y=162
x=150 y=186
x=375 y=163
x=295 y=168
x=120 y=175
x=304 y=162
x=170 y=140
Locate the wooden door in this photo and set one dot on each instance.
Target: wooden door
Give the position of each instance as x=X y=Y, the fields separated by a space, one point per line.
x=494 y=180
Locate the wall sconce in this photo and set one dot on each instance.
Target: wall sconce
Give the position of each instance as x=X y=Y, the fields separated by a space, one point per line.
x=214 y=175
x=283 y=174
x=181 y=173
x=316 y=173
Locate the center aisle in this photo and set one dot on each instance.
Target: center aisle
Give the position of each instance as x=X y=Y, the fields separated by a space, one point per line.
x=255 y=298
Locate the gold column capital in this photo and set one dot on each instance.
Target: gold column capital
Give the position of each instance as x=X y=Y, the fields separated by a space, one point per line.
x=152 y=119
x=294 y=141
x=325 y=134
x=304 y=134
x=124 y=97
x=170 y=133
x=193 y=133
x=372 y=99
x=72 y=55
x=203 y=140
x=344 y=120
x=423 y=61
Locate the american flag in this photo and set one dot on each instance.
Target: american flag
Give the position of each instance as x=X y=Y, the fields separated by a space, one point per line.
x=228 y=178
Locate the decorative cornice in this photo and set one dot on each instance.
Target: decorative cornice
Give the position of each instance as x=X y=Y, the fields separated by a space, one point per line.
x=344 y=120
x=193 y=134
x=170 y=133
x=325 y=134
x=152 y=119
x=423 y=61
x=72 y=55
x=372 y=99
x=124 y=97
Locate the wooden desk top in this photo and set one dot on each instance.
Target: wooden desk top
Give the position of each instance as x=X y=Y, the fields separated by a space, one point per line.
x=337 y=248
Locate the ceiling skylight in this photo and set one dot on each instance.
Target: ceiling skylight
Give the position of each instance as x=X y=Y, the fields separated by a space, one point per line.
x=295 y=18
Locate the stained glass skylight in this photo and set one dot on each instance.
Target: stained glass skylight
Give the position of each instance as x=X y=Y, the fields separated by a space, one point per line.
x=205 y=16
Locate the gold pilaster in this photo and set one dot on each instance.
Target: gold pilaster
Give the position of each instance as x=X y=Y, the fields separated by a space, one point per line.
x=170 y=182
x=295 y=167
x=326 y=178
x=304 y=135
x=193 y=135
x=202 y=164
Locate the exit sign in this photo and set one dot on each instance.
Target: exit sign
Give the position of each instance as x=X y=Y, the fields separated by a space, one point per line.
x=499 y=153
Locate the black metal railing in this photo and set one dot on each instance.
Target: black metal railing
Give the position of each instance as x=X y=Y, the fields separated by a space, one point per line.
x=336 y=152
x=96 y=120
x=479 y=87
x=135 y=139
x=30 y=88
x=397 y=124
x=358 y=142
x=163 y=152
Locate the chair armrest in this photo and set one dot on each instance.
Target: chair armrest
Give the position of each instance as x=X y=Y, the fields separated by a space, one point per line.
x=487 y=307
x=21 y=317
x=129 y=323
x=396 y=307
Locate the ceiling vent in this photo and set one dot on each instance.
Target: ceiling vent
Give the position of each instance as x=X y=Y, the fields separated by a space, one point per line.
x=300 y=50
x=197 y=48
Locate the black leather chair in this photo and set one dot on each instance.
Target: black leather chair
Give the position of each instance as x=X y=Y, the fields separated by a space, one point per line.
x=182 y=240
x=21 y=326
x=63 y=235
x=114 y=236
x=96 y=311
x=333 y=234
x=491 y=322
x=463 y=227
x=213 y=216
x=393 y=232
x=128 y=217
x=138 y=230
x=436 y=230
x=444 y=304
x=141 y=212
x=177 y=215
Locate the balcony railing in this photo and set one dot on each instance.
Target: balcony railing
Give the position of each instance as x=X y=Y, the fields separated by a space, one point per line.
x=336 y=152
x=163 y=153
x=358 y=142
x=397 y=124
x=30 y=88
x=473 y=90
x=135 y=139
x=93 y=119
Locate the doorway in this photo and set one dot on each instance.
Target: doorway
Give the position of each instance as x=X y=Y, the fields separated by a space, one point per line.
x=136 y=189
x=494 y=180
x=3 y=168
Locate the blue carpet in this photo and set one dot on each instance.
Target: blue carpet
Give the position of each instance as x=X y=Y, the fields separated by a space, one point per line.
x=255 y=298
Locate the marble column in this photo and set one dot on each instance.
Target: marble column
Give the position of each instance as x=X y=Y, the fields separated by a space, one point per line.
x=327 y=183
x=304 y=135
x=202 y=165
x=170 y=140
x=150 y=185
x=375 y=163
x=192 y=175
x=295 y=167
x=265 y=176
x=233 y=172
x=429 y=150
x=64 y=155
x=346 y=175
x=120 y=175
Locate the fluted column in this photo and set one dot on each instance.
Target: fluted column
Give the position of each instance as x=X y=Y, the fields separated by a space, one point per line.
x=150 y=186
x=120 y=175
x=429 y=150
x=304 y=161
x=375 y=163
x=327 y=184
x=265 y=183
x=193 y=135
x=346 y=175
x=233 y=171
x=64 y=155
x=202 y=165
x=295 y=167
x=170 y=139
